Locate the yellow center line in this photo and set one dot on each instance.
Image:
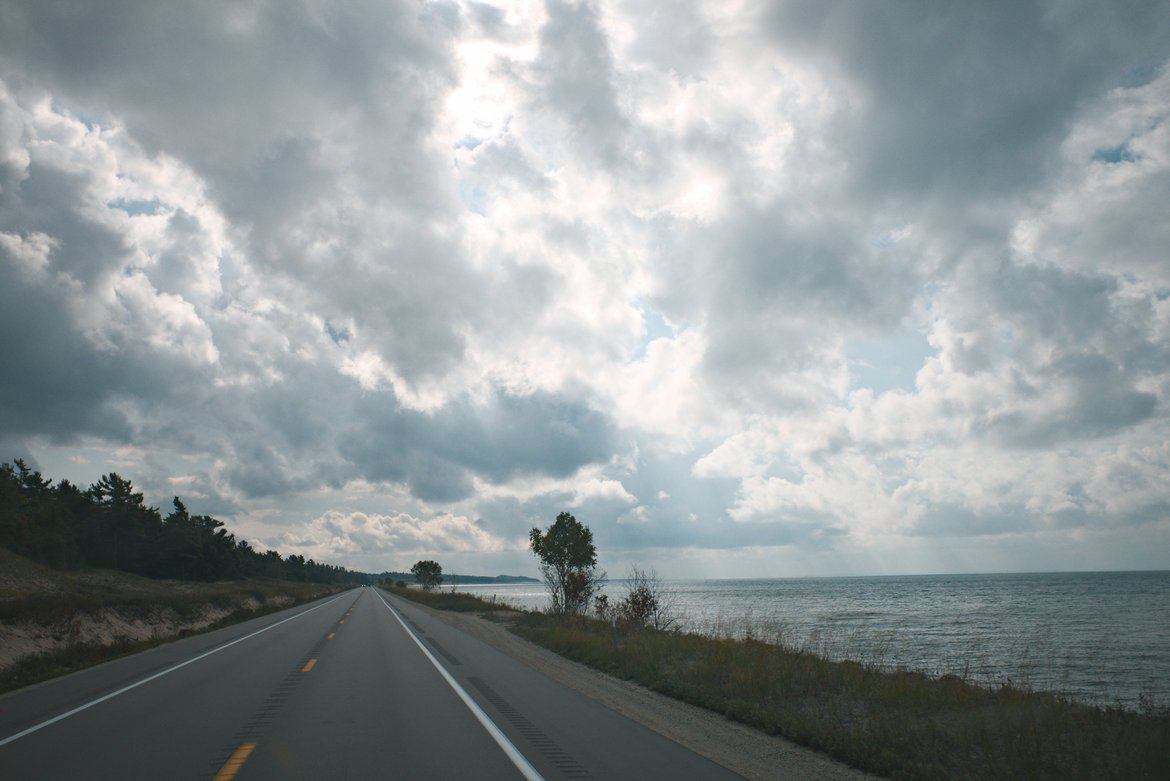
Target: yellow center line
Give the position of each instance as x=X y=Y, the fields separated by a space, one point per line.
x=235 y=762
x=331 y=635
x=309 y=666
x=342 y=621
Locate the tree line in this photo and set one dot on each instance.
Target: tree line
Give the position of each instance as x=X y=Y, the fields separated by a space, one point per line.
x=109 y=526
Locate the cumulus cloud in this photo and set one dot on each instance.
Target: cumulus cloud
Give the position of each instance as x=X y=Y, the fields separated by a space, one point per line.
x=438 y=272
x=401 y=533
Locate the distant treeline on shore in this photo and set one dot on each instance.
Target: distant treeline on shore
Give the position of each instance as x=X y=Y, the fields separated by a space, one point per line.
x=462 y=580
x=109 y=526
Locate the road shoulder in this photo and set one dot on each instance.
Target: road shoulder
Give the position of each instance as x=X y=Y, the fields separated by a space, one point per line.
x=737 y=747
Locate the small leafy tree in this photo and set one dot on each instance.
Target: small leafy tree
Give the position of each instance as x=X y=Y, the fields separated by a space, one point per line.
x=428 y=574
x=568 y=563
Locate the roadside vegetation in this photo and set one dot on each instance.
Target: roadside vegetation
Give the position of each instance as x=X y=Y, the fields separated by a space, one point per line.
x=568 y=563
x=903 y=725
x=428 y=574
x=109 y=526
x=90 y=574
x=455 y=601
x=54 y=622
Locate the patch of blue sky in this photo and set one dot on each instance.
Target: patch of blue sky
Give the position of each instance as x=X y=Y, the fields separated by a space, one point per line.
x=339 y=334
x=90 y=121
x=784 y=468
x=1139 y=76
x=472 y=197
x=1114 y=154
x=137 y=208
x=653 y=327
x=888 y=362
x=891 y=238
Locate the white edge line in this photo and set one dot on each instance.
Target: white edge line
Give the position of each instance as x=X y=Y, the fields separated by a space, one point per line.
x=148 y=679
x=523 y=765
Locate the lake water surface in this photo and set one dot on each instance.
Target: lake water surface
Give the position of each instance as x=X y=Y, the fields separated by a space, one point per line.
x=1101 y=637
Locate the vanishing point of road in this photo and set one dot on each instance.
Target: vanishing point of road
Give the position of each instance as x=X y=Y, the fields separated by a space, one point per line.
x=362 y=685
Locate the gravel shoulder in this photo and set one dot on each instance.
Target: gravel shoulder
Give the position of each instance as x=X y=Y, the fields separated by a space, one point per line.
x=739 y=748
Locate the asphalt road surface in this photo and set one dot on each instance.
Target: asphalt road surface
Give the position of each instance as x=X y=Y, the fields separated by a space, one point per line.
x=362 y=685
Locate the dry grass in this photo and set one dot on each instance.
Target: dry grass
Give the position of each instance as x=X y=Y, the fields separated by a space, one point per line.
x=54 y=622
x=456 y=601
x=900 y=724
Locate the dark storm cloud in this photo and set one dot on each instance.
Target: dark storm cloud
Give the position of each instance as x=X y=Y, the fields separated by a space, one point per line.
x=50 y=199
x=56 y=383
x=194 y=75
x=777 y=293
x=1101 y=401
x=1050 y=303
x=537 y=434
x=361 y=259
x=488 y=20
x=957 y=520
x=1082 y=356
x=75 y=362
x=251 y=383
x=968 y=98
x=309 y=126
x=575 y=71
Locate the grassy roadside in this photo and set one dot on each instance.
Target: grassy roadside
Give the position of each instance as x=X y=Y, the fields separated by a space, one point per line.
x=901 y=725
x=454 y=601
x=458 y=602
x=53 y=622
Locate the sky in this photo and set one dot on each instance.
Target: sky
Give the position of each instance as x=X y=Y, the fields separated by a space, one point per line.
x=790 y=288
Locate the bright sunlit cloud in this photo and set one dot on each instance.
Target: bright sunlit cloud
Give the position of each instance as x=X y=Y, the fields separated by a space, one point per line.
x=751 y=288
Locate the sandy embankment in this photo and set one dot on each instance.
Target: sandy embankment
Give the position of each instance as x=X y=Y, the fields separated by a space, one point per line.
x=44 y=611
x=739 y=748
x=112 y=626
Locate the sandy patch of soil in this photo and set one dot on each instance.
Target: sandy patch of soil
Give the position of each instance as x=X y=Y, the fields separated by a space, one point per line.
x=110 y=626
x=106 y=627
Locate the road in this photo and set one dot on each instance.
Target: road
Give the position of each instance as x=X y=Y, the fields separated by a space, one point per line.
x=360 y=685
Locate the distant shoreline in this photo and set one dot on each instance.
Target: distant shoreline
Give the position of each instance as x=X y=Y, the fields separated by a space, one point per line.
x=464 y=580
x=487 y=580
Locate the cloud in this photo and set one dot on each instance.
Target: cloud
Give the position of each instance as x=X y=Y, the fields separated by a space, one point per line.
x=802 y=280
x=574 y=80
x=337 y=535
x=101 y=338
x=437 y=453
x=956 y=101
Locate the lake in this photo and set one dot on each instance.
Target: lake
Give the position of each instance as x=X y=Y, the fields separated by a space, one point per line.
x=1100 y=637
